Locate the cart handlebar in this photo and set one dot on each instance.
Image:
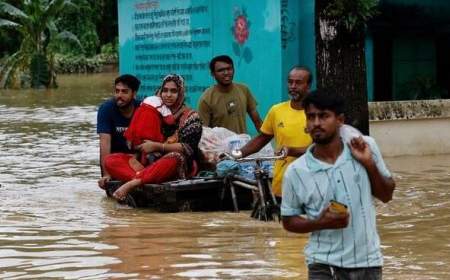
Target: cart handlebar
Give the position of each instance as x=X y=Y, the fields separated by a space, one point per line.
x=247 y=159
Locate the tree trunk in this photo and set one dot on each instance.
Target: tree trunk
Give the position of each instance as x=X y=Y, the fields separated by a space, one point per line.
x=341 y=67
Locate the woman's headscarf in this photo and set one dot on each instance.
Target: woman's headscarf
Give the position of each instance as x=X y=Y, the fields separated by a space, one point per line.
x=179 y=81
x=179 y=109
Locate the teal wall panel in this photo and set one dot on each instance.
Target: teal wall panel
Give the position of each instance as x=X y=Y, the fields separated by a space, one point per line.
x=181 y=36
x=258 y=58
x=368 y=52
x=290 y=40
x=161 y=37
x=307 y=37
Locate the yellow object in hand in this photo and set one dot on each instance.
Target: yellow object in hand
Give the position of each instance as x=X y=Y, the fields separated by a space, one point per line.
x=337 y=207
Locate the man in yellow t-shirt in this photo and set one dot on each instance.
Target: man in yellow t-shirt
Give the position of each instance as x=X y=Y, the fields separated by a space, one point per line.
x=286 y=123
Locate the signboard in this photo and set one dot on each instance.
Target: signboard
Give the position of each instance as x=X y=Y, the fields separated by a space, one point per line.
x=159 y=37
x=162 y=37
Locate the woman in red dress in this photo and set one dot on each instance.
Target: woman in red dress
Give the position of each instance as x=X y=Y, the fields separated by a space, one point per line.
x=179 y=150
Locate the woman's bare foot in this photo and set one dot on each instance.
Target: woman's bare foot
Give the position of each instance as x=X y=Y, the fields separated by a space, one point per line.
x=135 y=164
x=121 y=193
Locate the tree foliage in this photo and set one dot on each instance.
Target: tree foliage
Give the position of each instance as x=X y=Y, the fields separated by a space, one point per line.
x=37 y=23
x=93 y=22
x=80 y=20
x=351 y=15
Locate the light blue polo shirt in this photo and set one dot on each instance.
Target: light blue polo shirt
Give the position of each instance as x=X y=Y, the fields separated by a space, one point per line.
x=308 y=186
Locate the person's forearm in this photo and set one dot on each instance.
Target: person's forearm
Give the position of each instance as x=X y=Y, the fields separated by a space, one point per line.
x=298 y=224
x=382 y=187
x=296 y=152
x=167 y=148
x=256 y=119
x=102 y=165
x=204 y=114
x=255 y=144
x=258 y=123
x=105 y=149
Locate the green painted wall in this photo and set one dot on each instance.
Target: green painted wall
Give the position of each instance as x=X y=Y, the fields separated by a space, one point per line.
x=414 y=62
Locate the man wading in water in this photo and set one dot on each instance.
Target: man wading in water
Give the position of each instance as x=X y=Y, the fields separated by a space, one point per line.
x=344 y=243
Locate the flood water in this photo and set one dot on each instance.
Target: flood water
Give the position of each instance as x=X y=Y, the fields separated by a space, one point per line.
x=55 y=223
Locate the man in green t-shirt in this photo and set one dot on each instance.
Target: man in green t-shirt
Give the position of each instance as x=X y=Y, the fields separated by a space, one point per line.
x=226 y=104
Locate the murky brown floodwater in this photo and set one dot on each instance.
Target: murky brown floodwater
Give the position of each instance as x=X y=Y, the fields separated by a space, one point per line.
x=56 y=223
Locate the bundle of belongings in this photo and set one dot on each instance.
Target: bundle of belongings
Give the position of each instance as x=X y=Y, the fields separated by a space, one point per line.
x=245 y=169
x=218 y=140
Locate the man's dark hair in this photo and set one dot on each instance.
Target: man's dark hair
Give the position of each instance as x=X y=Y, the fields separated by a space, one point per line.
x=221 y=58
x=304 y=68
x=129 y=80
x=324 y=100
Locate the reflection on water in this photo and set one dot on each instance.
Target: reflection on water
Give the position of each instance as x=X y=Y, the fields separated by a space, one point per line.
x=55 y=222
x=199 y=245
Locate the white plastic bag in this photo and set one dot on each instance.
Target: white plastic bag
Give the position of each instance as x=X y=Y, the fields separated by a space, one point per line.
x=235 y=142
x=212 y=142
x=348 y=132
x=218 y=140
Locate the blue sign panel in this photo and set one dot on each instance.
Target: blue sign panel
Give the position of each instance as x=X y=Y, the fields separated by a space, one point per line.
x=158 y=37
x=162 y=37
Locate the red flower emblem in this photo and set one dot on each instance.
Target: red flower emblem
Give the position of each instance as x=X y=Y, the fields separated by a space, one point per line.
x=241 y=30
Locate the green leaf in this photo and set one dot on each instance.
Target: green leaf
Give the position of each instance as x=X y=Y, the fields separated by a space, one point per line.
x=55 y=7
x=10 y=67
x=11 y=10
x=51 y=25
x=8 y=23
x=67 y=35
